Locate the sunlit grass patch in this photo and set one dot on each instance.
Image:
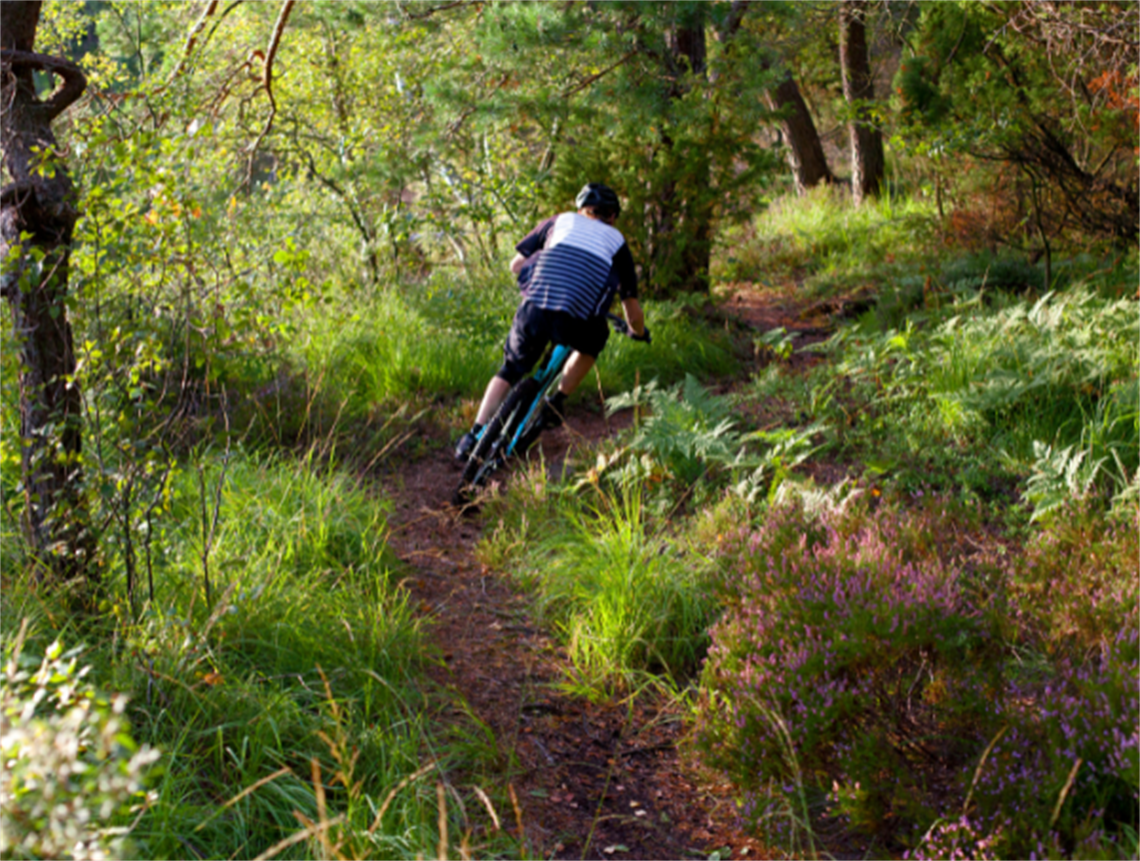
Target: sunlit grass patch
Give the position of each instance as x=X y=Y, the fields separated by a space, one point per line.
x=302 y=655
x=823 y=236
x=627 y=599
x=444 y=339
x=391 y=345
x=682 y=344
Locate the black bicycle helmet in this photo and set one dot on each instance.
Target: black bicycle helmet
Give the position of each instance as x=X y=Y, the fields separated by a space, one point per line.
x=601 y=198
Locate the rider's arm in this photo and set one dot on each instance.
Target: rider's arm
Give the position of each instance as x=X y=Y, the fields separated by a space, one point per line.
x=627 y=291
x=531 y=244
x=633 y=315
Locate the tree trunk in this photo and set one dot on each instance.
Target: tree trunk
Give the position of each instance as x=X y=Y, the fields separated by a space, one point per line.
x=867 y=163
x=805 y=151
x=36 y=221
x=686 y=214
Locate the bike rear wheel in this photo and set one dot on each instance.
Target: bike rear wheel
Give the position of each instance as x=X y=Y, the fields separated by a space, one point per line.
x=490 y=451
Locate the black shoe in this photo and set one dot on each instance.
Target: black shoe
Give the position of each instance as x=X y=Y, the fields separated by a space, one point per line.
x=466 y=445
x=551 y=416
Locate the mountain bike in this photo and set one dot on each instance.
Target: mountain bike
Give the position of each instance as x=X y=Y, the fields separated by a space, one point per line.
x=517 y=423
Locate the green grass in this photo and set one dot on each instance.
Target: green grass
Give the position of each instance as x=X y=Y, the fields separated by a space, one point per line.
x=304 y=652
x=628 y=598
x=444 y=339
x=682 y=344
x=822 y=238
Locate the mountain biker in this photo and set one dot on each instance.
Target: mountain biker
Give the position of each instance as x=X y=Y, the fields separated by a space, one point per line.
x=569 y=267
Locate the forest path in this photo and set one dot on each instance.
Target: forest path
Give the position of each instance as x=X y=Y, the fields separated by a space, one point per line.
x=592 y=780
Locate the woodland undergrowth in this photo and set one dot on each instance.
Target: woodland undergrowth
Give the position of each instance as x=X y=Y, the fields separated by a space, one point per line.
x=934 y=651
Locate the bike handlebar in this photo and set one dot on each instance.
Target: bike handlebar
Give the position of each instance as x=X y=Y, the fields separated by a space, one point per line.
x=623 y=328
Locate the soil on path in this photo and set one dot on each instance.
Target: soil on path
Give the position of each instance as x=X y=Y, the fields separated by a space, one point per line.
x=592 y=780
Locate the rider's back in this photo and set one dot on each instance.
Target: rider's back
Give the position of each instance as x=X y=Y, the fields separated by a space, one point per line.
x=575 y=271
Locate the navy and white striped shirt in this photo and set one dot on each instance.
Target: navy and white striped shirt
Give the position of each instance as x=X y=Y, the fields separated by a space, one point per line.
x=582 y=264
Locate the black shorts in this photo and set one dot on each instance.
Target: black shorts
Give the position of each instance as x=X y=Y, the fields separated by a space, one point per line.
x=536 y=327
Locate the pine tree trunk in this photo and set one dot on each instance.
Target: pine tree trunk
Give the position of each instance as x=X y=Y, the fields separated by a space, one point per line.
x=805 y=151
x=34 y=280
x=867 y=163
x=688 y=214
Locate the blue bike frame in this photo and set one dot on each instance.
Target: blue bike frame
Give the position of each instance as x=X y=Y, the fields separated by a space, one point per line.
x=546 y=377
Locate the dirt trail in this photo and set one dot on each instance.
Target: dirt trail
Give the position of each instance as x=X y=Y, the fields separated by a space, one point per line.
x=592 y=780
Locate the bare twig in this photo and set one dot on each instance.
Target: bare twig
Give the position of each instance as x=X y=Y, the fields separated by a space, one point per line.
x=281 y=772
x=192 y=39
x=392 y=794
x=978 y=770
x=1065 y=792
x=304 y=834
x=267 y=79
x=17 y=193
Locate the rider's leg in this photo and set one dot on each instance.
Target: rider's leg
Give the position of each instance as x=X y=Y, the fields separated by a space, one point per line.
x=575 y=370
x=495 y=394
x=493 y=397
x=525 y=343
x=577 y=366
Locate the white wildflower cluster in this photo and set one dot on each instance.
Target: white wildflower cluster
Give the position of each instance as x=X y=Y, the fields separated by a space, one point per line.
x=71 y=771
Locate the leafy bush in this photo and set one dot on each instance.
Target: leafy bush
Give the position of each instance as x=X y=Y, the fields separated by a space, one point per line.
x=987 y=709
x=1074 y=585
x=687 y=431
x=850 y=654
x=72 y=772
x=1060 y=776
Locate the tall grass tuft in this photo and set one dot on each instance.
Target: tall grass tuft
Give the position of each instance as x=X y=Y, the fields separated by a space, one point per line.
x=431 y=339
x=626 y=600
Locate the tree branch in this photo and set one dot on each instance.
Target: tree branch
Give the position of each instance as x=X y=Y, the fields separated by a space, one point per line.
x=15 y=193
x=267 y=78
x=74 y=81
x=577 y=88
x=192 y=39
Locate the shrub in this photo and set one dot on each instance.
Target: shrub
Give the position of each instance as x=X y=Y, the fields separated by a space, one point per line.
x=1075 y=586
x=71 y=769
x=689 y=436
x=870 y=651
x=1064 y=778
